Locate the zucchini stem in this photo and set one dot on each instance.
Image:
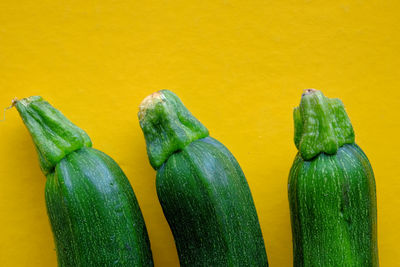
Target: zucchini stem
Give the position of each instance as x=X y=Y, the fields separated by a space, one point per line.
x=321 y=125
x=168 y=126
x=53 y=134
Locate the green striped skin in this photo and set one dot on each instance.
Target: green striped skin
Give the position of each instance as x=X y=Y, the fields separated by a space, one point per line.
x=93 y=211
x=208 y=205
x=201 y=187
x=332 y=199
x=94 y=214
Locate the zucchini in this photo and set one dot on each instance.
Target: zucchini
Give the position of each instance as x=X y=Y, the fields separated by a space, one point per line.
x=93 y=211
x=331 y=189
x=201 y=188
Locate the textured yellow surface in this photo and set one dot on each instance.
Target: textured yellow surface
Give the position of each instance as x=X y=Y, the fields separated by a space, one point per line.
x=240 y=67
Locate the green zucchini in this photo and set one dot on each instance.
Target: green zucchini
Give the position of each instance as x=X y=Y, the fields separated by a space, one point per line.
x=93 y=211
x=331 y=189
x=201 y=188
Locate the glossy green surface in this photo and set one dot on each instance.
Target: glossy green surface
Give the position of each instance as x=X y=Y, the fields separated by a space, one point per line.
x=201 y=188
x=93 y=211
x=208 y=205
x=331 y=195
x=333 y=210
x=94 y=214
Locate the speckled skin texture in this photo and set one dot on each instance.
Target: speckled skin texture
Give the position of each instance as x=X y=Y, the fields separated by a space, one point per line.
x=333 y=210
x=209 y=207
x=94 y=214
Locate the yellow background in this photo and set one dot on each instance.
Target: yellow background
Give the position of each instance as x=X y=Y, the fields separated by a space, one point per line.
x=240 y=67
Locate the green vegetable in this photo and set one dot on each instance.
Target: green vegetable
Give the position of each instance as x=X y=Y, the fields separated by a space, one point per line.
x=201 y=188
x=94 y=214
x=331 y=189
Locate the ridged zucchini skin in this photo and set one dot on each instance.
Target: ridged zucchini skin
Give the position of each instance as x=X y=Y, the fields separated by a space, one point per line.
x=94 y=215
x=208 y=205
x=332 y=195
x=201 y=188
